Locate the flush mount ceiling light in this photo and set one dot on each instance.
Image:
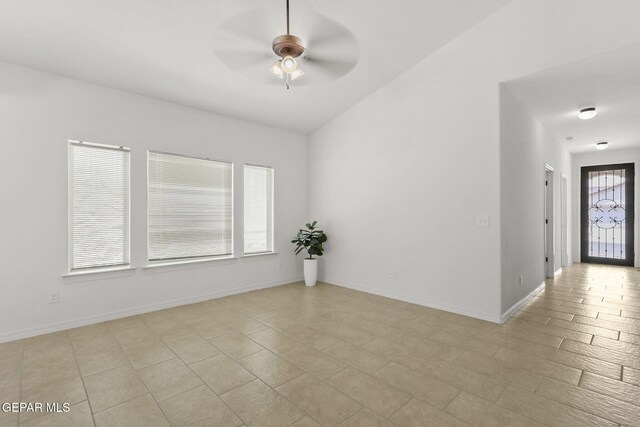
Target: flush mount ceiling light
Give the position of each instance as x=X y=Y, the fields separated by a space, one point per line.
x=602 y=145
x=587 y=113
x=288 y=47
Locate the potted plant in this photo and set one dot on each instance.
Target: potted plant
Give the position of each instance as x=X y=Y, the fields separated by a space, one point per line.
x=311 y=240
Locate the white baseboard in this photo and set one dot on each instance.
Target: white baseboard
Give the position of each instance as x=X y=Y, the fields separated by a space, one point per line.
x=557 y=272
x=520 y=303
x=413 y=300
x=75 y=323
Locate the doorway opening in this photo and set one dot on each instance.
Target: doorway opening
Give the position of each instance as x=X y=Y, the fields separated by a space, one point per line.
x=607 y=214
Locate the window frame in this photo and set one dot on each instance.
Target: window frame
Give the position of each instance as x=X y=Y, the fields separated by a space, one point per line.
x=127 y=217
x=272 y=213
x=197 y=259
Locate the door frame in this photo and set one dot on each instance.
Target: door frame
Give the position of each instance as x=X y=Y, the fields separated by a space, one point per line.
x=564 y=231
x=630 y=237
x=548 y=221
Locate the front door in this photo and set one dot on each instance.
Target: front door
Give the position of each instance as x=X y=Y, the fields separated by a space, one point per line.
x=607 y=207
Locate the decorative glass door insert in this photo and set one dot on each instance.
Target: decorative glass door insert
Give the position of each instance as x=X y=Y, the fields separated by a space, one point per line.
x=607 y=214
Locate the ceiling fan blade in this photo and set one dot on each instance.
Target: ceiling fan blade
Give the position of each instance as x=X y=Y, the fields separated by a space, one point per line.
x=327 y=35
x=247 y=60
x=327 y=69
x=333 y=55
x=332 y=50
x=253 y=65
x=255 y=28
x=328 y=40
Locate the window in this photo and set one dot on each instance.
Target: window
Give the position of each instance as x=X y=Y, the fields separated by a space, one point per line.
x=189 y=208
x=258 y=209
x=98 y=206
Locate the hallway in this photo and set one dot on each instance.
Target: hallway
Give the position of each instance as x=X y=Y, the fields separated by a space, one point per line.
x=587 y=322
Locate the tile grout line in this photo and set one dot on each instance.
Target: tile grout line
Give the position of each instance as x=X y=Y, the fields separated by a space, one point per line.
x=222 y=352
x=214 y=393
x=580 y=379
x=21 y=376
x=204 y=383
x=137 y=372
x=574 y=406
x=326 y=384
x=84 y=387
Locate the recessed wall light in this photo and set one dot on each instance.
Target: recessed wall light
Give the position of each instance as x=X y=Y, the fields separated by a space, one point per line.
x=587 y=113
x=602 y=145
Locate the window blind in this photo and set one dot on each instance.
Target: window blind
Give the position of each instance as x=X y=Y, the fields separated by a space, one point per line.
x=189 y=208
x=98 y=205
x=258 y=209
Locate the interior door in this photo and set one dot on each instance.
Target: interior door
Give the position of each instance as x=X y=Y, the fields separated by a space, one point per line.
x=564 y=256
x=549 y=240
x=607 y=214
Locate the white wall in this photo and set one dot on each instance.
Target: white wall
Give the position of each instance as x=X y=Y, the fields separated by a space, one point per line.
x=605 y=157
x=525 y=147
x=39 y=112
x=398 y=179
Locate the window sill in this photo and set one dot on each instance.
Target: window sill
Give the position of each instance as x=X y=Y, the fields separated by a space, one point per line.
x=189 y=262
x=258 y=254
x=99 y=271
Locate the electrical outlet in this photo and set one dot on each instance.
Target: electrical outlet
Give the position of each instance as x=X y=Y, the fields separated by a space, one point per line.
x=54 y=297
x=482 y=221
x=521 y=280
x=391 y=274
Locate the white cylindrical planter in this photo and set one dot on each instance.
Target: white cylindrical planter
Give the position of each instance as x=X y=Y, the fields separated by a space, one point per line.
x=310 y=271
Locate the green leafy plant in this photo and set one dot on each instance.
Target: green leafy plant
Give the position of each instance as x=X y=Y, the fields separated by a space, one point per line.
x=311 y=240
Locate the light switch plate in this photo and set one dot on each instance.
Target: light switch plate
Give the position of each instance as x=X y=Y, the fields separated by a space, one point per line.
x=482 y=221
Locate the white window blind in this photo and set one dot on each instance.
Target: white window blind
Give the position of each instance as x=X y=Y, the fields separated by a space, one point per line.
x=98 y=206
x=258 y=209
x=189 y=208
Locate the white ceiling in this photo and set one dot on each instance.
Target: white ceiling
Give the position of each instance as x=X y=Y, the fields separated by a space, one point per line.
x=165 y=48
x=610 y=82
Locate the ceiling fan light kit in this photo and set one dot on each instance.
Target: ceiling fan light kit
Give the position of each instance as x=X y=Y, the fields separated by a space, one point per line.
x=288 y=47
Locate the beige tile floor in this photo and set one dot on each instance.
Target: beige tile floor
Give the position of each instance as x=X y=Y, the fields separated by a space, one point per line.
x=296 y=356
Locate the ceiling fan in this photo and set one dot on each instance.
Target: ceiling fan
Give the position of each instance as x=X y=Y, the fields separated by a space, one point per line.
x=328 y=52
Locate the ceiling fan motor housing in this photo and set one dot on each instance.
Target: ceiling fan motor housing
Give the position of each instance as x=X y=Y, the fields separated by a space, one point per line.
x=288 y=45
